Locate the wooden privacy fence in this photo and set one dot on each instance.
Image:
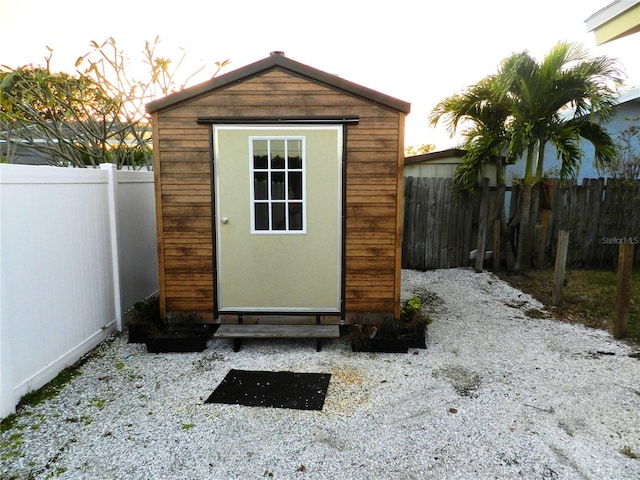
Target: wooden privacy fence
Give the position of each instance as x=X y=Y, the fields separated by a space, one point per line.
x=599 y=215
x=438 y=231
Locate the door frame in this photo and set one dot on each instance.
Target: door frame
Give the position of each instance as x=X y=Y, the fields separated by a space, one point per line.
x=279 y=122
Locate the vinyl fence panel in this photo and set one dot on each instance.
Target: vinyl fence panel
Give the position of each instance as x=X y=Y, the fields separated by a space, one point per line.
x=59 y=297
x=136 y=236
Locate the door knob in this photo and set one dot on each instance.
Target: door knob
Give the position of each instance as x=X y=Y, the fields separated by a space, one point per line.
x=224 y=220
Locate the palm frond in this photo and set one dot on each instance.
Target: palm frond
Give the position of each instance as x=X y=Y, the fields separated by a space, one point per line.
x=605 y=150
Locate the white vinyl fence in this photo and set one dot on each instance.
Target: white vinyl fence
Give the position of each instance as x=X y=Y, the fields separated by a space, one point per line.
x=77 y=250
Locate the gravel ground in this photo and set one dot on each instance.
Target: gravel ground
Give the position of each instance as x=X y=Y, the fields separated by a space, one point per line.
x=498 y=393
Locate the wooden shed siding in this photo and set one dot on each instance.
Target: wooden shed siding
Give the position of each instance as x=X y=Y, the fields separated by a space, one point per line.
x=374 y=153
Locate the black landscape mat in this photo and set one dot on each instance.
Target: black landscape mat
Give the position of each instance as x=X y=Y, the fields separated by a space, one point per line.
x=303 y=391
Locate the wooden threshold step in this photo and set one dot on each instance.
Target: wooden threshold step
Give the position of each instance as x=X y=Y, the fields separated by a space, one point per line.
x=228 y=330
x=240 y=331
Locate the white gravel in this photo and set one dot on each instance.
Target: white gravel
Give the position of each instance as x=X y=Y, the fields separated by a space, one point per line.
x=496 y=394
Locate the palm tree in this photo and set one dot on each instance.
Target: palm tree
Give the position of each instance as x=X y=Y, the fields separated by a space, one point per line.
x=541 y=95
x=555 y=100
x=480 y=110
x=484 y=115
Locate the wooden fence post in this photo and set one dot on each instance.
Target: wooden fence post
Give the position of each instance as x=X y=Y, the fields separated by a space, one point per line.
x=482 y=225
x=497 y=211
x=623 y=290
x=545 y=213
x=497 y=238
x=559 y=271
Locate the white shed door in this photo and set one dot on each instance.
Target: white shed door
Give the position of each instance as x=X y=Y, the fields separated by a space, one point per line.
x=278 y=218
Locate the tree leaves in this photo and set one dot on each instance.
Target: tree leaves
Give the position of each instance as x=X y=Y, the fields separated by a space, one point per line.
x=93 y=116
x=526 y=104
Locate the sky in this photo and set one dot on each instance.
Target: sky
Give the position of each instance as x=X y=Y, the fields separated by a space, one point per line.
x=420 y=51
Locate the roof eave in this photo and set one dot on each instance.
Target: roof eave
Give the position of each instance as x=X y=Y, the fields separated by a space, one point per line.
x=616 y=20
x=431 y=156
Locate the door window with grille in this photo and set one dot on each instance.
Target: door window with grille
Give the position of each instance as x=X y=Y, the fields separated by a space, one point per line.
x=277 y=184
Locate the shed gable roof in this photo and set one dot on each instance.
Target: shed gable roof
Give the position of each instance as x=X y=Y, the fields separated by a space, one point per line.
x=278 y=61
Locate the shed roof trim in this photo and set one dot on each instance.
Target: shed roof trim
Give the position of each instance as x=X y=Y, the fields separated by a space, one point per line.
x=353 y=120
x=284 y=63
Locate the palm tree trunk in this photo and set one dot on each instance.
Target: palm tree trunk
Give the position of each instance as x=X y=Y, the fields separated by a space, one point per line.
x=537 y=251
x=540 y=164
x=524 y=234
x=506 y=245
x=523 y=257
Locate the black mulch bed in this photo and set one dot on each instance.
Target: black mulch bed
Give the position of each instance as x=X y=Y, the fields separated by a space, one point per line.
x=303 y=391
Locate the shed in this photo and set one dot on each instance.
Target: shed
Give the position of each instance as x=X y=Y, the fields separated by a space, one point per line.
x=279 y=193
x=442 y=164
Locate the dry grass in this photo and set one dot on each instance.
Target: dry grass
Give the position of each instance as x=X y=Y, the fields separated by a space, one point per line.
x=588 y=297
